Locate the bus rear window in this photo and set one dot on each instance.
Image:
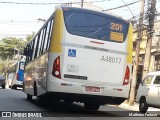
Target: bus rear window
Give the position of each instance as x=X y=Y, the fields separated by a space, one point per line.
x=95 y=25
x=21 y=67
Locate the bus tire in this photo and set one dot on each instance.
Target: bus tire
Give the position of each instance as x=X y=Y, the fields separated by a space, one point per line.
x=14 y=87
x=91 y=105
x=3 y=86
x=143 y=107
x=35 y=89
x=68 y=102
x=29 y=97
x=40 y=101
x=23 y=87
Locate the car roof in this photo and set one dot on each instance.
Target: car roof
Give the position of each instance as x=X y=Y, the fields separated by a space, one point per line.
x=154 y=73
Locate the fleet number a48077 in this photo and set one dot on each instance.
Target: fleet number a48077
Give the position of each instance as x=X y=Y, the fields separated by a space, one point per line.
x=111 y=59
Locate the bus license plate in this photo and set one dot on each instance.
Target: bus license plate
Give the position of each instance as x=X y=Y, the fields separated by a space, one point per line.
x=92 y=89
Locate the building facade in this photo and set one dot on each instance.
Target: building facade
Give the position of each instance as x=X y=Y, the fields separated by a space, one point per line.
x=155 y=51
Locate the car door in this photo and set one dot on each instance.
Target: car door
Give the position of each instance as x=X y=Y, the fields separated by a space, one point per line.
x=153 y=91
x=157 y=87
x=158 y=99
x=144 y=87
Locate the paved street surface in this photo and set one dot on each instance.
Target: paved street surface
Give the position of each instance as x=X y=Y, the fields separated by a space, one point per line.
x=15 y=101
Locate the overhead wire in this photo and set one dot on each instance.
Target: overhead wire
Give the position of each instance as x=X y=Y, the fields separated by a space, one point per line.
x=111 y=9
x=121 y=6
x=48 y=3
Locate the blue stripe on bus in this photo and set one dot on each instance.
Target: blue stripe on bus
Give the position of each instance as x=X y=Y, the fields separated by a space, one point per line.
x=20 y=75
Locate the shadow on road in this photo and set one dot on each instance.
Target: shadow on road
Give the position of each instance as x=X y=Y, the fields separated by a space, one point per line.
x=61 y=109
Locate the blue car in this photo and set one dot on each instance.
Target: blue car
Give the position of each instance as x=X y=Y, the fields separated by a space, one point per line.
x=2 y=81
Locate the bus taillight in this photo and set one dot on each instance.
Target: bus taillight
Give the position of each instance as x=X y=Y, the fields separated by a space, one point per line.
x=56 y=68
x=17 y=76
x=126 y=77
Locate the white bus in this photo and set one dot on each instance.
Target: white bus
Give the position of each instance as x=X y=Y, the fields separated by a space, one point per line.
x=80 y=55
x=16 y=75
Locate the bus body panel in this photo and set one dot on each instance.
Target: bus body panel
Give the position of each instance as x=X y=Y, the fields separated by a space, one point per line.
x=94 y=65
x=35 y=75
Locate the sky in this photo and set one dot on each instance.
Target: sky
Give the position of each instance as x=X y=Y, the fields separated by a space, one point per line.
x=20 y=20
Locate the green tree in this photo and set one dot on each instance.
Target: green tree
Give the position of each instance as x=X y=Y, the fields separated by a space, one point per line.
x=29 y=37
x=9 y=45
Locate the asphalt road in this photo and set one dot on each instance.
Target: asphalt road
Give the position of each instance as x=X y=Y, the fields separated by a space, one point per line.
x=15 y=101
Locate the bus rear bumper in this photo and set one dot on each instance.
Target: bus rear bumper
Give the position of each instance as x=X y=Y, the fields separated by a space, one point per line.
x=17 y=84
x=75 y=89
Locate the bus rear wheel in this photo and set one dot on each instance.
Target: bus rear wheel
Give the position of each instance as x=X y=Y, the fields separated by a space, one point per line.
x=14 y=87
x=91 y=105
x=68 y=102
x=41 y=101
x=29 y=97
x=3 y=86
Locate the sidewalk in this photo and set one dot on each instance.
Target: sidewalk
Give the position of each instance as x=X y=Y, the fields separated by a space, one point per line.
x=136 y=107
x=126 y=106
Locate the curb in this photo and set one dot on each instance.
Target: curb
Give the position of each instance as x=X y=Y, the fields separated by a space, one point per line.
x=135 y=107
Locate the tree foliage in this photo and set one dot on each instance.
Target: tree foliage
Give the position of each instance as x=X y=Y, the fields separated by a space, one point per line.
x=29 y=37
x=10 y=45
x=5 y=66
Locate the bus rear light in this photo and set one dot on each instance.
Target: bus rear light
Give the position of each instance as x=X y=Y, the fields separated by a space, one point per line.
x=17 y=76
x=56 y=68
x=126 y=77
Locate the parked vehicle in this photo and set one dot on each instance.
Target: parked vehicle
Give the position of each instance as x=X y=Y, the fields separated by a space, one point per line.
x=148 y=94
x=2 y=81
x=9 y=79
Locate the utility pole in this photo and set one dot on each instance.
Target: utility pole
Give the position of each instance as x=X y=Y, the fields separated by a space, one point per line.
x=82 y=3
x=136 y=60
x=151 y=17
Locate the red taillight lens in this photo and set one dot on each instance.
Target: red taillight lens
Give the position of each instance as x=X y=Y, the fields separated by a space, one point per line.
x=126 y=77
x=56 y=68
x=17 y=76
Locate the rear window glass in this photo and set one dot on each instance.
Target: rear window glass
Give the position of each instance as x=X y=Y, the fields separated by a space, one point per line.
x=21 y=67
x=95 y=25
x=157 y=80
